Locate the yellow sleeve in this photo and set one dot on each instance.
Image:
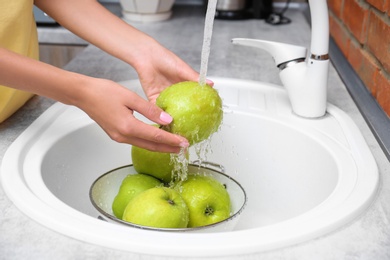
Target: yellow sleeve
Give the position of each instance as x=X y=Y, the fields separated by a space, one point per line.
x=18 y=33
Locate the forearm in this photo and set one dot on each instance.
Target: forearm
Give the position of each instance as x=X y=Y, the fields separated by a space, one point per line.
x=94 y=23
x=113 y=112
x=157 y=67
x=30 y=75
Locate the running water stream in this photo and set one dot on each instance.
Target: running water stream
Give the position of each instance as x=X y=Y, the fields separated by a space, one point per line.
x=208 y=32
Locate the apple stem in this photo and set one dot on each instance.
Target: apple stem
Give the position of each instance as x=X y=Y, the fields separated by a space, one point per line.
x=209 y=211
x=171 y=202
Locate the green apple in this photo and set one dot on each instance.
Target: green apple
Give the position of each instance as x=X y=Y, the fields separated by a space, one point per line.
x=207 y=200
x=196 y=110
x=131 y=186
x=156 y=164
x=159 y=207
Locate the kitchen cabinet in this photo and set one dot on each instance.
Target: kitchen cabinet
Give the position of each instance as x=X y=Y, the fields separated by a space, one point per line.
x=59 y=55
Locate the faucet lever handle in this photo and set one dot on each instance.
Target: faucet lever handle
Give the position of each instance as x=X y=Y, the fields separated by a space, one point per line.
x=281 y=52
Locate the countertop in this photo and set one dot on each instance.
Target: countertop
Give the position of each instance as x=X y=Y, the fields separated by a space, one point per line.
x=366 y=237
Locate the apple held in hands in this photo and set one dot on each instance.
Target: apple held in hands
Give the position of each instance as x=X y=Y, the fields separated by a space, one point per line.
x=158 y=207
x=196 y=110
x=207 y=200
x=131 y=186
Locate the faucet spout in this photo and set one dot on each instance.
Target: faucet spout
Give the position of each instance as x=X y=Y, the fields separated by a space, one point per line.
x=282 y=53
x=304 y=76
x=319 y=27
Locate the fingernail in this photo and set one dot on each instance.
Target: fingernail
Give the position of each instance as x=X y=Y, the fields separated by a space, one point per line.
x=184 y=144
x=209 y=82
x=165 y=117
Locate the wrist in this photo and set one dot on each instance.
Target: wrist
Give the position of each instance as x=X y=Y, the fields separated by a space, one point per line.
x=77 y=89
x=138 y=52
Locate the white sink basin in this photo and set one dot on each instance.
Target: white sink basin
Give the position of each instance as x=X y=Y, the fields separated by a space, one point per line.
x=303 y=178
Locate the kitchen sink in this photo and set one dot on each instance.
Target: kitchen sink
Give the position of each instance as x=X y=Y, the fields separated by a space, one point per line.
x=303 y=177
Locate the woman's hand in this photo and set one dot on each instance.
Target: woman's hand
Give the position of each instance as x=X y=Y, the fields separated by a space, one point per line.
x=112 y=106
x=159 y=68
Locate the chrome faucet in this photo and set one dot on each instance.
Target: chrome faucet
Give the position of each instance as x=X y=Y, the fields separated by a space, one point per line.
x=305 y=76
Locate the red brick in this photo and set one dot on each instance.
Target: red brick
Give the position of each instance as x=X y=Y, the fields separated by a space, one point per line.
x=339 y=34
x=379 y=39
x=381 y=5
x=354 y=56
x=388 y=9
x=355 y=17
x=383 y=92
x=335 y=6
x=365 y=66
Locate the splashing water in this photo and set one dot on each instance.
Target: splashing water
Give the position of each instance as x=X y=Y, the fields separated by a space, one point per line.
x=202 y=149
x=208 y=32
x=180 y=165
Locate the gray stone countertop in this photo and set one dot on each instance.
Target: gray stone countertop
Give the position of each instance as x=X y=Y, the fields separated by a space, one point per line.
x=366 y=237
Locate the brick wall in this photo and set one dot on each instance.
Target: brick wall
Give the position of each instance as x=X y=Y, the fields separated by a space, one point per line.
x=361 y=29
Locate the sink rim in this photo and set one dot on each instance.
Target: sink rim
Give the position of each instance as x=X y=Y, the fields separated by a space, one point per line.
x=267 y=240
